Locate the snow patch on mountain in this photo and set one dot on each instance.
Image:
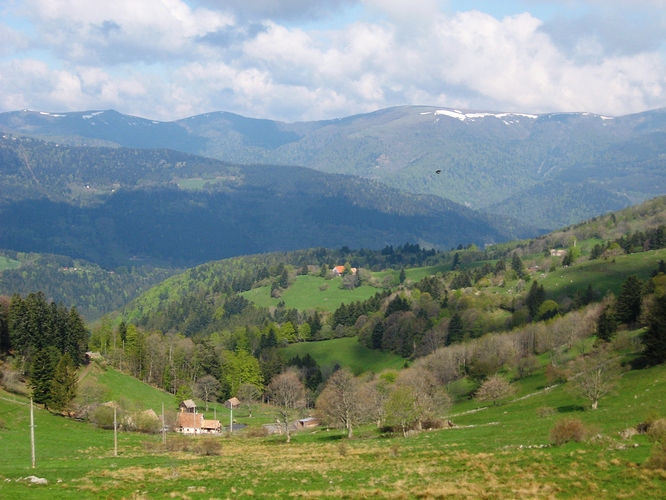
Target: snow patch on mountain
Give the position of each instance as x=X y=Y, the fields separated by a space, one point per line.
x=459 y=115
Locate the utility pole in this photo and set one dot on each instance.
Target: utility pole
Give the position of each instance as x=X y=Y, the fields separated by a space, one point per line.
x=115 y=432
x=231 y=417
x=163 y=426
x=32 y=433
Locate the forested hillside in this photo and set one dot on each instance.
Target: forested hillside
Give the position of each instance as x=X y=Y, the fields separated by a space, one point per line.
x=93 y=290
x=546 y=170
x=115 y=206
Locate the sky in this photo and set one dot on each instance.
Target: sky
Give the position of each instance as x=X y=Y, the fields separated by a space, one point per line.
x=299 y=60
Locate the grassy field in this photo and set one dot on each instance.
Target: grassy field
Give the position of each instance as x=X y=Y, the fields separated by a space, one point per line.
x=306 y=294
x=139 y=395
x=346 y=352
x=6 y=263
x=498 y=451
x=603 y=274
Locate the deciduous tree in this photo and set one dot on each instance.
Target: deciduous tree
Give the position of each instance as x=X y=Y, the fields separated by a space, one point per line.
x=595 y=375
x=340 y=403
x=287 y=395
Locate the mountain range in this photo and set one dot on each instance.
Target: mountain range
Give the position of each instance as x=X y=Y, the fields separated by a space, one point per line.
x=120 y=206
x=546 y=170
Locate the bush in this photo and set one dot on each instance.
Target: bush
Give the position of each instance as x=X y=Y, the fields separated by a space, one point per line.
x=178 y=444
x=567 y=429
x=657 y=459
x=209 y=447
x=657 y=431
x=255 y=432
x=102 y=416
x=545 y=411
x=148 y=423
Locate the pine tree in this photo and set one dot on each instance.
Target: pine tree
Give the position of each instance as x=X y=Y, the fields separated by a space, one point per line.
x=629 y=302
x=64 y=383
x=535 y=297
x=76 y=337
x=655 y=336
x=517 y=265
x=402 y=276
x=456 y=329
x=42 y=374
x=606 y=325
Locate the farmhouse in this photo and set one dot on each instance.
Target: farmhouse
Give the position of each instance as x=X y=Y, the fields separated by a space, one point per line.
x=232 y=403
x=558 y=253
x=191 y=422
x=339 y=270
x=306 y=423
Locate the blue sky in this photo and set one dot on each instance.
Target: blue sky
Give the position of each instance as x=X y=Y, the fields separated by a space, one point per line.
x=296 y=60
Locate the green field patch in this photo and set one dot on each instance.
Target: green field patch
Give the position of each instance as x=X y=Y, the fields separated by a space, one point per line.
x=602 y=274
x=139 y=395
x=347 y=352
x=311 y=292
x=6 y=263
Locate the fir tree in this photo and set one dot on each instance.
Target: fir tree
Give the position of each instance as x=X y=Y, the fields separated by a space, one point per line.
x=655 y=336
x=517 y=265
x=64 y=383
x=456 y=329
x=535 y=297
x=606 y=325
x=43 y=372
x=629 y=302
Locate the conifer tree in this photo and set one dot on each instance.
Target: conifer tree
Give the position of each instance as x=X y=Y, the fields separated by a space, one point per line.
x=43 y=372
x=629 y=302
x=64 y=383
x=655 y=336
x=456 y=329
x=517 y=265
x=606 y=325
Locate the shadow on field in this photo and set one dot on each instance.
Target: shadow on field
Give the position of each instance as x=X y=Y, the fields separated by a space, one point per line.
x=569 y=408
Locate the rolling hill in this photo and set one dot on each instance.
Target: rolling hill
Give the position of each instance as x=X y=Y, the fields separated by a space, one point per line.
x=507 y=163
x=118 y=206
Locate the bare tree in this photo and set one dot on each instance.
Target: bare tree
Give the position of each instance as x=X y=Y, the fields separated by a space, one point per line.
x=248 y=394
x=595 y=375
x=373 y=396
x=207 y=388
x=495 y=388
x=401 y=407
x=339 y=402
x=287 y=394
x=430 y=398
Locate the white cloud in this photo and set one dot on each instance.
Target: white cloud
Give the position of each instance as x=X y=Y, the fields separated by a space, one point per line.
x=166 y=59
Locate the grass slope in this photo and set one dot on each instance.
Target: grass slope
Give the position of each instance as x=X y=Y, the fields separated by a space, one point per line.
x=122 y=387
x=347 y=352
x=496 y=452
x=6 y=263
x=305 y=293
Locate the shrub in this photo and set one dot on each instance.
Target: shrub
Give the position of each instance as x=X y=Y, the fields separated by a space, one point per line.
x=342 y=448
x=657 y=459
x=148 y=423
x=178 y=444
x=657 y=431
x=209 y=447
x=545 y=411
x=255 y=432
x=102 y=416
x=567 y=429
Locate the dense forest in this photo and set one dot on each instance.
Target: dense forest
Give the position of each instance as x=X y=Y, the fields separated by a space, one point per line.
x=112 y=206
x=93 y=290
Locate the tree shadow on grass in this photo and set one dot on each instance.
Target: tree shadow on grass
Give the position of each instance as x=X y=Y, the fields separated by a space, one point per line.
x=569 y=408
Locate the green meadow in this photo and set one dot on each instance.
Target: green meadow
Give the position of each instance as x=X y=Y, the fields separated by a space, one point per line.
x=347 y=352
x=6 y=263
x=311 y=292
x=496 y=451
